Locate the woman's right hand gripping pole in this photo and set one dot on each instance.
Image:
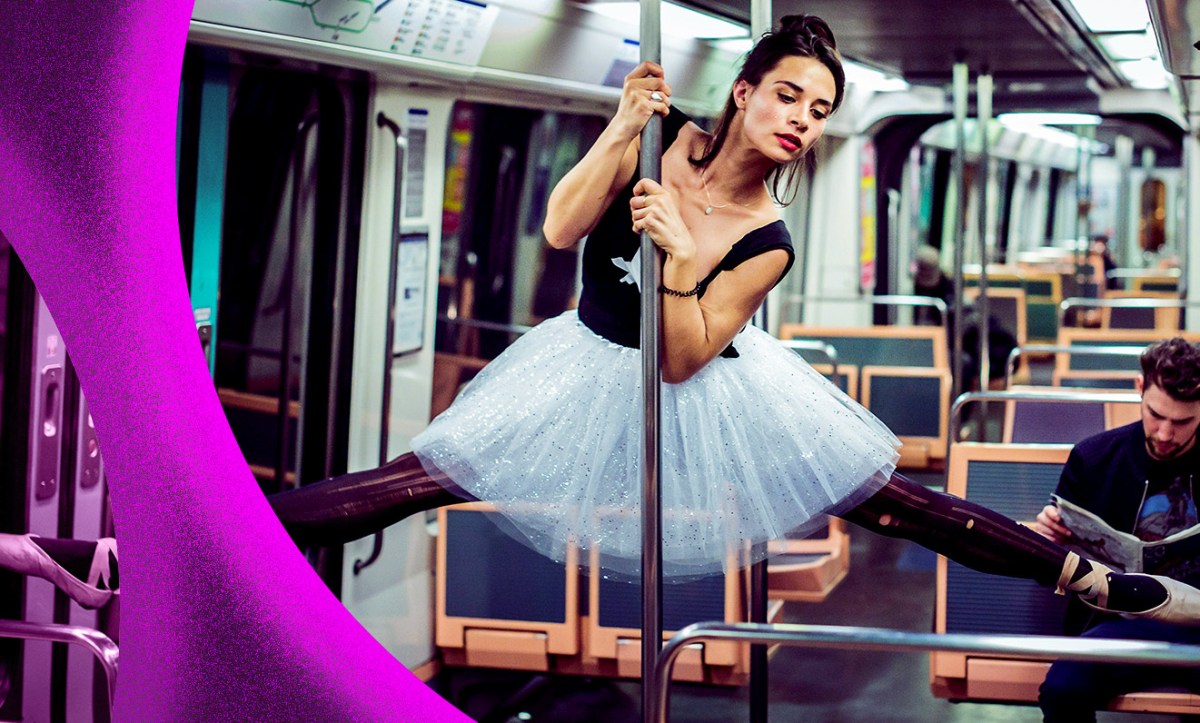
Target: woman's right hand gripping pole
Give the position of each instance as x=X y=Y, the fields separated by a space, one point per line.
x=587 y=190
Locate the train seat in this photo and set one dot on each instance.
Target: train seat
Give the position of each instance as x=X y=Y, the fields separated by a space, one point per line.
x=1032 y=422
x=1165 y=283
x=1043 y=294
x=1165 y=319
x=910 y=346
x=1104 y=371
x=1015 y=480
x=1008 y=306
x=808 y=569
x=900 y=373
x=485 y=615
x=912 y=402
x=845 y=379
x=613 y=627
x=1055 y=422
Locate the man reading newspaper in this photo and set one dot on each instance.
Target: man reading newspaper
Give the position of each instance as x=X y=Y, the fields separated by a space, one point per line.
x=1127 y=497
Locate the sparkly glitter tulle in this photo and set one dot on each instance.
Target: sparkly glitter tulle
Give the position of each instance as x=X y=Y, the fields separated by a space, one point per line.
x=754 y=448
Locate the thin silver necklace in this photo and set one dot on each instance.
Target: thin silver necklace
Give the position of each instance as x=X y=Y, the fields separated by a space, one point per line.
x=709 y=208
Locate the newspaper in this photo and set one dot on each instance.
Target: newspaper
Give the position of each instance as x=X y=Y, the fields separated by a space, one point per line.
x=1177 y=556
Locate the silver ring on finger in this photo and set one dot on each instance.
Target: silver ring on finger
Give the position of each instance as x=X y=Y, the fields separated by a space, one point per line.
x=656 y=96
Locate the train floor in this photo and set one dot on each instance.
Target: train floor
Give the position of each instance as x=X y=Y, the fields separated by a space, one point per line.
x=890 y=585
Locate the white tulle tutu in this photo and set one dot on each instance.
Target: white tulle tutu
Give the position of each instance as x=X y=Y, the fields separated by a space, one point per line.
x=753 y=448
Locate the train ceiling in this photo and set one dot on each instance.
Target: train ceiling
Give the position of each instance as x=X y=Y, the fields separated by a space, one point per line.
x=1177 y=23
x=1040 y=53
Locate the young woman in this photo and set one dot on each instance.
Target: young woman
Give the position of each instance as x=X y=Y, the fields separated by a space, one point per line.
x=755 y=443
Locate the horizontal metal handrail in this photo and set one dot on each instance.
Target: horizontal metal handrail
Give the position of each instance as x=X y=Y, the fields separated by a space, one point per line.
x=100 y=644
x=1082 y=349
x=1076 y=397
x=882 y=300
x=820 y=347
x=1126 y=303
x=858 y=638
x=1143 y=273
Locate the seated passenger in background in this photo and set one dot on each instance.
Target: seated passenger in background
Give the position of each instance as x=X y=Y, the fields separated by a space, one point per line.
x=1001 y=342
x=1102 y=262
x=1139 y=479
x=930 y=280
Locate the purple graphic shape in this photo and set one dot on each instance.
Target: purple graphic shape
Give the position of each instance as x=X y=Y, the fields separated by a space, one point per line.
x=223 y=618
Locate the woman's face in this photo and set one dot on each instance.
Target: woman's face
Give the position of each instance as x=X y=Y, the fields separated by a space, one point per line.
x=785 y=114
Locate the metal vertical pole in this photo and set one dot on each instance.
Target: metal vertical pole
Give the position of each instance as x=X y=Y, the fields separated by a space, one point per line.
x=760 y=22
x=651 y=167
x=1082 y=205
x=983 y=111
x=1191 y=222
x=1120 y=241
x=960 y=91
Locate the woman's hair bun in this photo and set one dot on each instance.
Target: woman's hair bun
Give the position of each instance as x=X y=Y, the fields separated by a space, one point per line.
x=809 y=27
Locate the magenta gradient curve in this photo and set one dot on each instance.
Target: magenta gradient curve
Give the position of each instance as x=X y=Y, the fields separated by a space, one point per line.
x=222 y=617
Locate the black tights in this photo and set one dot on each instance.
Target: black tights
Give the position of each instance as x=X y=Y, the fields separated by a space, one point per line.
x=355 y=505
x=963 y=531
x=345 y=508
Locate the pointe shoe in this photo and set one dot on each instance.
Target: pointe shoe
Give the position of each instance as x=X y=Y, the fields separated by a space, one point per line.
x=1182 y=606
x=22 y=554
x=100 y=573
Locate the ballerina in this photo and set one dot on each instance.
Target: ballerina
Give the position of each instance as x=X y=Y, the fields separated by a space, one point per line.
x=755 y=444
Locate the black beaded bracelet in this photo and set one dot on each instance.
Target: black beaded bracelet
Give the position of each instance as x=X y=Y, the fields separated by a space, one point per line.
x=680 y=294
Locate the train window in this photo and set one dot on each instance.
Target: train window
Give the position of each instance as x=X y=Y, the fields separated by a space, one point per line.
x=497 y=273
x=1152 y=222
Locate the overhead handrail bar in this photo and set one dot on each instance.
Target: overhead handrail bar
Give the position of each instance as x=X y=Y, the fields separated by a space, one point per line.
x=881 y=639
x=1126 y=303
x=1073 y=397
x=881 y=300
x=1122 y=303
x=98 y=643
x=1142 y=273
x=828 y=350
x=1081 y=349
x=487 y=325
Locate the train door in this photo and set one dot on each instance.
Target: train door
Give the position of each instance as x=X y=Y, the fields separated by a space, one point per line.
x=454 y=238
x=52 y=486
x=386 y=578
x=275 y=197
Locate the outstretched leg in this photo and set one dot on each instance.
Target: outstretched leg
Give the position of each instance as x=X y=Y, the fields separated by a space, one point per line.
x=979 y=538
x=347 y=507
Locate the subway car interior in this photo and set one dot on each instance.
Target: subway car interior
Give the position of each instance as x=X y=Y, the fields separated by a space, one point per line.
x=387 y=244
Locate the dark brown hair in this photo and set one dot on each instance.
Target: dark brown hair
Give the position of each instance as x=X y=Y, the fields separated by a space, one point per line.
x=806 y=36
x=1173 y=365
